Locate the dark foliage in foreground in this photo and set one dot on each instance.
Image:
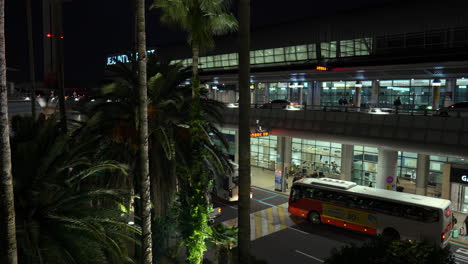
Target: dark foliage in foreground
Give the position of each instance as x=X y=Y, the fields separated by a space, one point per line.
x=380 y=251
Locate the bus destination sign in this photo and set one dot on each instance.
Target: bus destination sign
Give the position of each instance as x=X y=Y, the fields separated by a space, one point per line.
x=259 y=134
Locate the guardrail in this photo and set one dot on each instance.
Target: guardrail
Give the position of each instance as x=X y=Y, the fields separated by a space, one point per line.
x=374 y=110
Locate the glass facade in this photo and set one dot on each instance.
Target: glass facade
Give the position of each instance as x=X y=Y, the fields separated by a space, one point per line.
x=364 y=170
x=413 y=93
x=296 y=53
x=317 y=156
x=461 y=91
x=263 y=151
x=407 y=166
x=332 y=92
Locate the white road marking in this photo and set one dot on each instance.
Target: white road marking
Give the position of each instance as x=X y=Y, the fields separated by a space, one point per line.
x=309 y=256
x=300 y=231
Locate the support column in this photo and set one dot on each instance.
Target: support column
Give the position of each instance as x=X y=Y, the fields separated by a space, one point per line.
x=316 y=95
x=450 y=85
x=347 y=152
x=299 y=94
x=374 y=101
x=236 y=141
x=422 y=174
x=357 y=96
x=266 y=96
x=283 y=160
x=386 y=169
x=253 y=93
x=310 y=92
x=435 y=95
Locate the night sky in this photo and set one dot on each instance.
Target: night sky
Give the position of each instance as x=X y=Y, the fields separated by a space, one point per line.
x=95 y=28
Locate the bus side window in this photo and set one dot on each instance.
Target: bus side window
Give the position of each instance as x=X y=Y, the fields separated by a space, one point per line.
x=309 y=193
x=296 y=194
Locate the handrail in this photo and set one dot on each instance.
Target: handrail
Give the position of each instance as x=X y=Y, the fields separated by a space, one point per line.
x=374 y=110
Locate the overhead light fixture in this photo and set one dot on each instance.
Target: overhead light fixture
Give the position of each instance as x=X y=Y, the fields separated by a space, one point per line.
x=358 y=84
x=436 y=82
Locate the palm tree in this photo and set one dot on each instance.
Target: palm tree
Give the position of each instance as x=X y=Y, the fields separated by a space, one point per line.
x=32 y=72
x=202 y=20
x=244 y=132
x=143 y=135
x=58 y=33
x=62 y=217
x=7 y=213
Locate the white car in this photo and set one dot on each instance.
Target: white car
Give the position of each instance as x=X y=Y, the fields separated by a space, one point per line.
x=381 y=111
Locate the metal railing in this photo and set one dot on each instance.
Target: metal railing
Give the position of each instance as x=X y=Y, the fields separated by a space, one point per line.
x=373 y=110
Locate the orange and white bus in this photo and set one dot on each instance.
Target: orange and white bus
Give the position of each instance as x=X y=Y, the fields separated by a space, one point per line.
x=373 y=211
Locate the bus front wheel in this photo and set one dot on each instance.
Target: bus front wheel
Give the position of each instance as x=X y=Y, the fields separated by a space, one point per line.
x=314 y=217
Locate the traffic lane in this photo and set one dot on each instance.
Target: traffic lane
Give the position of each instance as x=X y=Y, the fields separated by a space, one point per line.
x=293 y=245
x=261 y=200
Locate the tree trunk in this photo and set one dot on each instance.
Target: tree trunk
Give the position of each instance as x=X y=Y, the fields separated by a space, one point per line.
x=244 y=132
x=32 y=73
x=143 y=136
x=58 y=39
x=195 y=62
x=7 y=204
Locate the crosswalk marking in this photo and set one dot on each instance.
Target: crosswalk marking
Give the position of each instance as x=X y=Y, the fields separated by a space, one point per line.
x=265 y=222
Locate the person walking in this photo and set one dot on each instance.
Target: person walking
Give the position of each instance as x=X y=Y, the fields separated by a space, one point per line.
x=397 y=103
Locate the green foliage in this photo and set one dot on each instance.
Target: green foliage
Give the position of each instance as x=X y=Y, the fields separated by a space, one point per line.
x=60 y=214
x=165 y=241
x=202 y=19
x=396 y=252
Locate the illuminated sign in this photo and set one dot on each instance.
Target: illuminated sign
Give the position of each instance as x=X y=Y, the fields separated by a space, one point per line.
x=321 y=68
x=123 y=58
x=259 y=134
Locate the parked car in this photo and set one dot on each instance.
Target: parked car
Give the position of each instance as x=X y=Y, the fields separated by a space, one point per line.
x=459 y=109
x=381 y=111
x=277 y=104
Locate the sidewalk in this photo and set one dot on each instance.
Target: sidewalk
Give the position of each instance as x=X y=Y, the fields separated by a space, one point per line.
x=265 y=178
x=461 y=240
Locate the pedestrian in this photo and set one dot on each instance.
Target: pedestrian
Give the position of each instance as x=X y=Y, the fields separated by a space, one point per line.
x=341 y=102
x=345 y=102
x=397 y=103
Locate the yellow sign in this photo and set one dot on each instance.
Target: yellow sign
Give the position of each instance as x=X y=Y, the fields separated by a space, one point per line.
x=350 y=215
x=259 y=134
x=321 y=68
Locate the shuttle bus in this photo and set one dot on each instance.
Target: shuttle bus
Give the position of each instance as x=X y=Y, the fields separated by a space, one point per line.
x=372 y=211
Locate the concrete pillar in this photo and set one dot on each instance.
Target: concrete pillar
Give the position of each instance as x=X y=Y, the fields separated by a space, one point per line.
x=347 y=152
x=386 y=169
x=267 y=93
x=357 y=96
x=435 y=96
x=310 y=92
x=299 y=95
x=236 y=139
x=317 y=87
x=450 y=85
x=291 y=93
x=422 y=174
x=253 y=94
x=374 y=100
x=283 y=161
x=445 y=193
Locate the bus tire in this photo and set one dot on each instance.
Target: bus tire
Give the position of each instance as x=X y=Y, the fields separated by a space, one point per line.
x=314 y=217
x=391 y=234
